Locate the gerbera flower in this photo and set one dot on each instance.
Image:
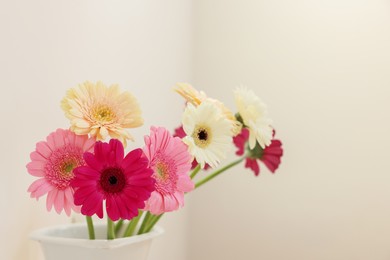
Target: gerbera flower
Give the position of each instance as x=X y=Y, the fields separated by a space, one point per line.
x=195 y=97
x=53 y=162
x=179 y=132
x=270 y=155
x=208 y=133
x=190 y=94
x=170 y=162
x=253 y=113
x=101 y=111
x=124 y=183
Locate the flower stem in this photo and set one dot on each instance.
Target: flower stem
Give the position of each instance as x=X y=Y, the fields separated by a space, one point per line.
x=153 y=222
x=132 y=225
x=195 y=171
x=118 y=226
x=144 y=222
x=217 y=172
x=110 y=229
x=91 y=230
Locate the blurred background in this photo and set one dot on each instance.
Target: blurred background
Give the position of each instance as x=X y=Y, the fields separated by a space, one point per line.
x=322 y=67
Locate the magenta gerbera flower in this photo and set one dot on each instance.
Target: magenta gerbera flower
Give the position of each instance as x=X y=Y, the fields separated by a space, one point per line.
x=124 y=183
x=170 y=161
x=270 y=155
x=179 y=132
x=53 y=162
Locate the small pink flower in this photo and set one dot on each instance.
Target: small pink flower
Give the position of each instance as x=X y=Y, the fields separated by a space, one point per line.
x=171 y=162
x=53 y=162
x=270 y=155
x=124 y=183
x=179 y=132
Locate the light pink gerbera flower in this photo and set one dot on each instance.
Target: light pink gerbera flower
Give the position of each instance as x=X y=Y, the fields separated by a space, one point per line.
x=124 y=183
x=170 y=160
x=53 y=162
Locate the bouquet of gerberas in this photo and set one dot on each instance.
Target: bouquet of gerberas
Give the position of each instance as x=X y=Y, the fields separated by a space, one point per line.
x=80 y=170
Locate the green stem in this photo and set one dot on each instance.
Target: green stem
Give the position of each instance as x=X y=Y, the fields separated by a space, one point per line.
x=132 y=225
x=118 y=226
x=110 y=229
x=91 y=230
x=217 y=172
x=153 y=222
x=144 y=222
x=195 y=171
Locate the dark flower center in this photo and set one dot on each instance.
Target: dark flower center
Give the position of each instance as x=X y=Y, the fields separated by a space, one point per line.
x=112 y=180
x=202 y=135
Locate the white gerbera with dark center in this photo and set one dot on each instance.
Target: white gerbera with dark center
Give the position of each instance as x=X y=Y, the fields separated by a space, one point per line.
x=254 y=114
x=209 y=134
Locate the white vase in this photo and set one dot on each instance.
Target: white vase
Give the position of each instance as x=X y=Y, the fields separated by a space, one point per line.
x=70 y=242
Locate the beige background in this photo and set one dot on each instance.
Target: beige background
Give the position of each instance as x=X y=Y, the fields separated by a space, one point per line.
x=321 y=66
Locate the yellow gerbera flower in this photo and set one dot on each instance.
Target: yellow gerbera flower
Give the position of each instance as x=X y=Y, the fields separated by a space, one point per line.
x=101 y=111
x=195 y=97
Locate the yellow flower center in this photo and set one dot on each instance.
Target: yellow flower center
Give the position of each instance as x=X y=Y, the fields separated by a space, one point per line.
x=103 y=114
x=202 y=136
x=161 y=170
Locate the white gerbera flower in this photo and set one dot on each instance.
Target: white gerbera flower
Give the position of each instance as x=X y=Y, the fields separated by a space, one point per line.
x=196 y=98
x=254 y=115
x=209 y=134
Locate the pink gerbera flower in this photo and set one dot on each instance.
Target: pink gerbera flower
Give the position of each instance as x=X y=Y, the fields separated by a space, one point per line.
x=124 y=183
x=53 y=162
x=171 y=161
x=179 y=132
x=270 y=155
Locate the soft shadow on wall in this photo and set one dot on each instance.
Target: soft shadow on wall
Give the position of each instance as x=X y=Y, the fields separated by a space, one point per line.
x=322 y=68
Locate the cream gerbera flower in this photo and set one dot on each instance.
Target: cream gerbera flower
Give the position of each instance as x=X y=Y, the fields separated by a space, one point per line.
x=101 y=111
x=195 y=97
x=208 y=133
x=254 y=115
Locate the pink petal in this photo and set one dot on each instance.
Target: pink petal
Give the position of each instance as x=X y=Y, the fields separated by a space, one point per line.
x=36 y=165
x=43 y=149
x=170 y=203
x=89 y=145
x=35 y=156
x=271 y=162
x=184 y=183
x=91 y=160
x=112 y=208
x=39 y=188
x=83 y=193
x=51 y=196
x=179 y=196
x=155 y=203
x=93 y=205
x=252 y=164
x=59 y=138
x=59 y=202
x=131 y=157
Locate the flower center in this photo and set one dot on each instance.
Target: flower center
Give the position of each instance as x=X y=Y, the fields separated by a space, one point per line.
x=202 y=136
x=112 y=180
x=161 y=170
x=165 y=175
x=103 y=114
x=60 y=165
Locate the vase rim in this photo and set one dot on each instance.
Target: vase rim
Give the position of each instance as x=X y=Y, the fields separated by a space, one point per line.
x=53 y=235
